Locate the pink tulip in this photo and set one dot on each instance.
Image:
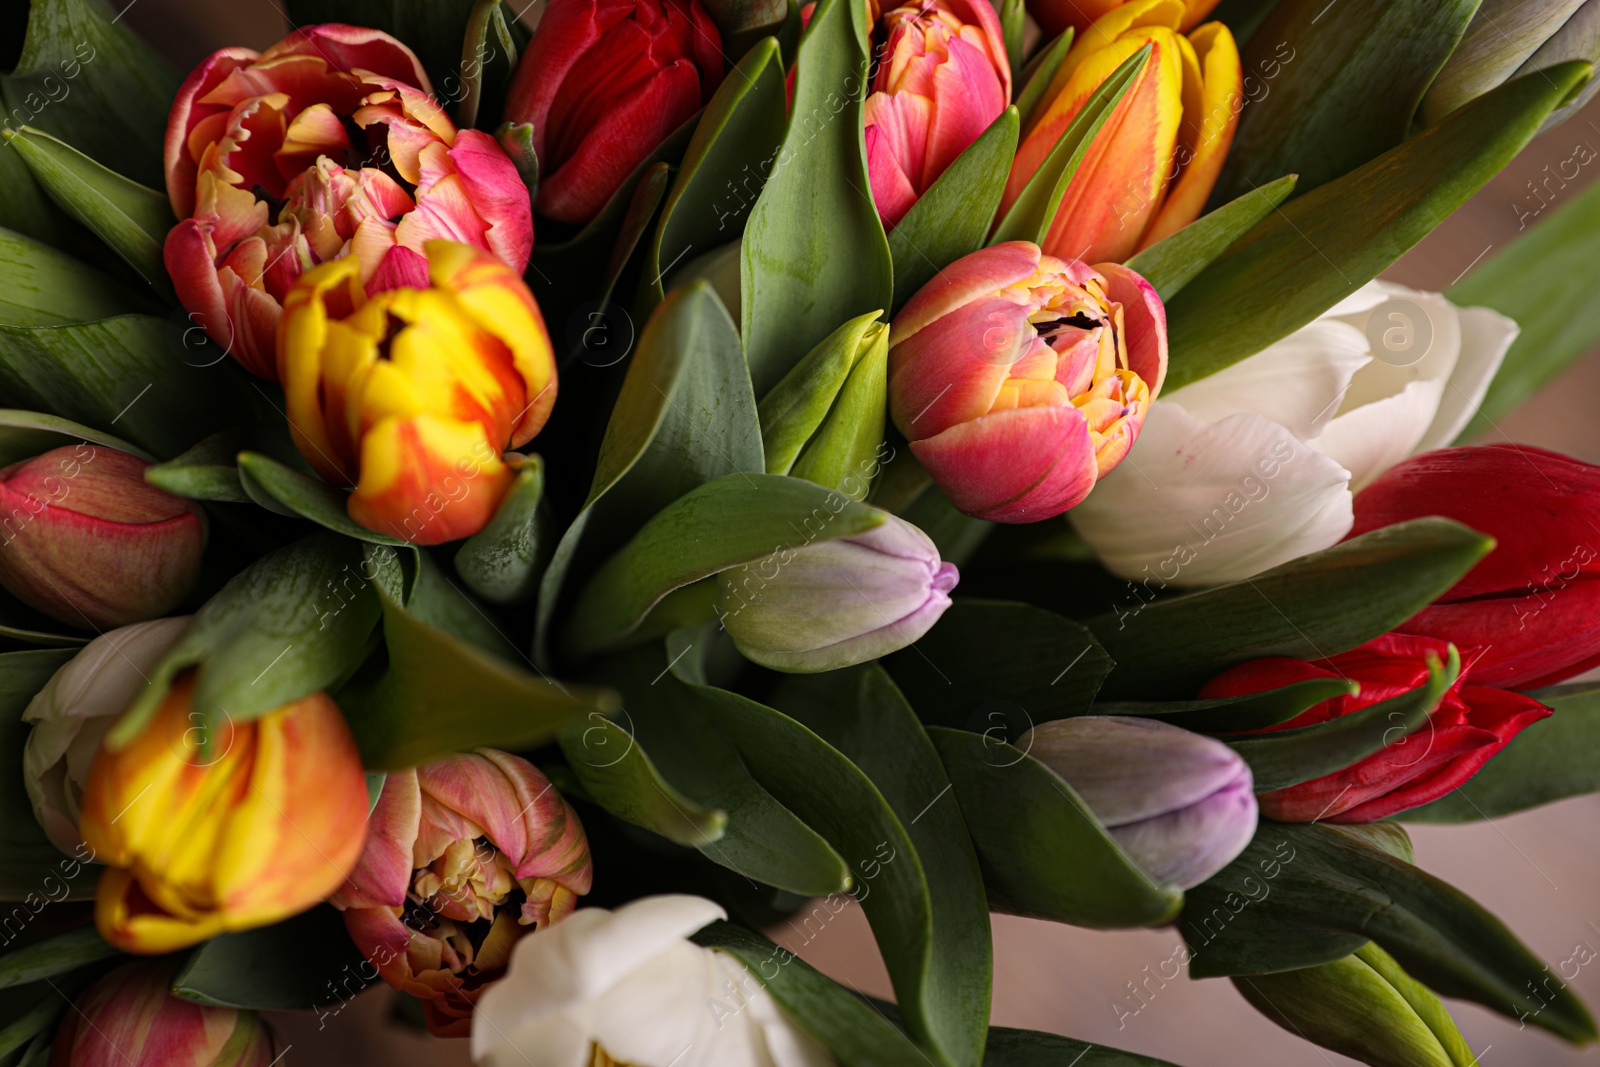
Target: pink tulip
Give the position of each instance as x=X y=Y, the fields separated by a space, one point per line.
x=327 y=144
x=945 y=78
x=1021 y=379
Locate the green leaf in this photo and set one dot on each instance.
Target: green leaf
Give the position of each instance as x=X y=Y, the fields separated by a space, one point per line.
x=130 y=218
x=503 y=561
x=1044 y=853
x=300 y=964
x=32 y=1011
x=25 y=209
x=286 y=491
x=1303 y=895
x=738 y=518
x=1035 y=207
x=25 y=434
x=488 y=61
x=56 y=954
x=1372 y=58
x=1288 y=757
x=1039 y=73
x=1323 y=246
x=1029 y=1048
x=1548 y=761
x=208 y=471
x=814 y=252
x=89 y=80
x=434 y=29
x=42 y=287
x=1309 y=608
x=1013 y=25
x=953 y=217
x=1251 y=711
x=1544 y=281
x=792 y=410
x=1173 y=262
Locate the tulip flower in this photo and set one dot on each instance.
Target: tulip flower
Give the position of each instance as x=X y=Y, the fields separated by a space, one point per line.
x=1256 y=465
x=1056 y=16
x=833 y=604
x=73 y=712
x=1021 y=379
x=464 y=855
x=602 y=84
x=1531 y=606
x=328 y=144
x=411 y=394
x=627 y=987
x=945 y=78
x=1471 y=724
x=1509 y=38
x=1151 y=167
x=257 y=825
x=84 y=539
x=1179 y=804
x=129 y=1018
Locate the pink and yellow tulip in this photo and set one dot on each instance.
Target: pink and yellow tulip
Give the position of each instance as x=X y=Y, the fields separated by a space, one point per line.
x=1021 y=379
x=1153 y=164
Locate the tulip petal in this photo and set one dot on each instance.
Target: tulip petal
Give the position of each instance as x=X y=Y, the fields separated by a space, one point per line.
x=1144 y=323
x=1486 y=337
x=180 y=166
x=1209 y=126
x=497 y=194
x=1187 y=846
x=999 y=267
x=408 y=465
x=976 y=463
x=1370 y=439
x=383 y=875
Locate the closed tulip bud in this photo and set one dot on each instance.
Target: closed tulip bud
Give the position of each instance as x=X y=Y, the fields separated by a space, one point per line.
x=1021 y=379
x=833 y=604
x=464 y=856
x=1056 y=16
x=411 y=394
x=1364 y=1006
x=72 y=713
x=1179 y=804
x=944 y=77
x=129 y=1018
x=328 y=144
x=259 y=825
x=87 y=541
x=1529 y=612
x=602 y=84
x=1151 y=168
x=1509 y=38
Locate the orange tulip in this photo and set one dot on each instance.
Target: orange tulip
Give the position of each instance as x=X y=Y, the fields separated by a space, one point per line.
x=1055 y=16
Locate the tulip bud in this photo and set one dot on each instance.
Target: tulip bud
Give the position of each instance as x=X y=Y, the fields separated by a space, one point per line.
x=1056 y=16
x=85 y=540
x=258 y=825
x=412 y=394
x=328 y=144
x=464 y=856
x=944 y=77
x=1509 y=38
x=833 y=604
x=130 y=1019
x=1364 y=1006
x=1021 y=379
x=1179 y=804
x=603 y=83
x=73 y=712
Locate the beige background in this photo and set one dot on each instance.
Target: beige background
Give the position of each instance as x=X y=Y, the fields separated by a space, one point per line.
x=1540 y=871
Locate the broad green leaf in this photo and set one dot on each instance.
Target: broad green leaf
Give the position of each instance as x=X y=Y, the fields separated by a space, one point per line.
x=1310 y=608
x=1000 y=668
x=25 y=434
x=56 y=954
x=91 y=81
x=1548 y=761
x=208 y=471
x=1172 y=263
x=40 y=286
x=738 y=518
x=503 y=561
x=1544 y=280
x=1035 y=207
x=488 y=61
x=1372 y=58
x=434 y=29
x=1252 y=711
x=685 y=415
x=303 y=963
x=1038 y=74
x=285 y=490
x=1321 y=247
x=132 y=219
x=1030 y=1048
x=1288 y=757
x=814 y=253
x=1303 y=895
x=1044 y=853
x=953 y=217
x=25 y=209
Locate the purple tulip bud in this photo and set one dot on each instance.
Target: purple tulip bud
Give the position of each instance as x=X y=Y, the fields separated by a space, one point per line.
x=1180 y=804
x=833 y=604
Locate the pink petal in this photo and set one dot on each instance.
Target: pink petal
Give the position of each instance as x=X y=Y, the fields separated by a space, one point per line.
x=499 y=195
x=969 y=277
x=1144 y=323
x=180 y=166
x=352 y=48
x=1013 y=466
x=892 y=191
x=383 y=874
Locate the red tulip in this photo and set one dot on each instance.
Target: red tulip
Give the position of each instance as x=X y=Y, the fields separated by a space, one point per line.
x=944 y=79
x=603 y=83
x=1533 y=604
x=325 y=145
x=1471 y=724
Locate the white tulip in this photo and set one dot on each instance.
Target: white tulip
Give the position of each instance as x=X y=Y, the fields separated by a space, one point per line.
x=72 y=713
x=626 y=987
x=1258 y=464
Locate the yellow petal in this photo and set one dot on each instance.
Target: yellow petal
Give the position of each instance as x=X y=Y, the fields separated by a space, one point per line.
x=1105 y=32
x=1221 y=88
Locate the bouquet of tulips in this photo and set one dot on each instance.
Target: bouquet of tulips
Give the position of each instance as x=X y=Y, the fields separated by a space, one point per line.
x=512 y=509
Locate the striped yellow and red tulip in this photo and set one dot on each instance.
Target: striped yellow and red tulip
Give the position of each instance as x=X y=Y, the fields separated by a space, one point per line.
x=1056 y=16
x=200 y=839
x=465 y=855
x=410 y=395
x=1153 y=164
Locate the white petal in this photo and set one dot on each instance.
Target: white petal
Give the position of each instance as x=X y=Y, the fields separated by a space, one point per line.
x=1363 y=299
x=665 y=1013
x=1413 y=337
x=553 y=1042
x=1486 y=335
x=1373 y=438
